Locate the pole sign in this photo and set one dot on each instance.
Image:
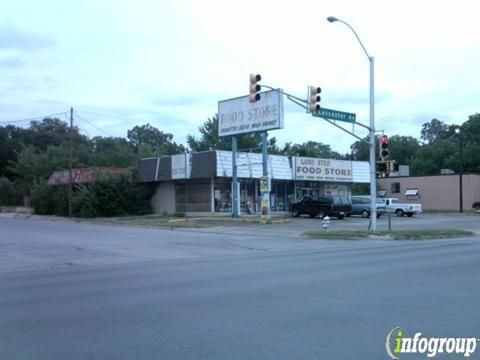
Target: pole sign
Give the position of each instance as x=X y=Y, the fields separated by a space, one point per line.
x=240 y=116
x=335 y=115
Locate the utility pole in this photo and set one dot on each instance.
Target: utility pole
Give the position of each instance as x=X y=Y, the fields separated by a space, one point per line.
x=70 y=174
x=461 y=171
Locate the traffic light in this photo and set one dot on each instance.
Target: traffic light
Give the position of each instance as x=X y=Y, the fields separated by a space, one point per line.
x=382 y=167
x=314 y=98
x=255 y=87
x=384 y=147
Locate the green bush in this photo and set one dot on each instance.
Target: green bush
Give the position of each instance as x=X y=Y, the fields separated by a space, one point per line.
x=49 y=200
x=106 y=197
x=9 y=196
x=179 y=214
x=103 y=197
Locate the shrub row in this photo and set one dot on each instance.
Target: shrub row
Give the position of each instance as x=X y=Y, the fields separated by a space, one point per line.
x=9 y=196
x=105 y=196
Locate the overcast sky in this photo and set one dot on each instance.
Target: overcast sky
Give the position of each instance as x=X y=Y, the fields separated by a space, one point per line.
x=126 y=63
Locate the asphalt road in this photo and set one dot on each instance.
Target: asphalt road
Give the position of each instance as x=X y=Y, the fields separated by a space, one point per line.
x=254 y=298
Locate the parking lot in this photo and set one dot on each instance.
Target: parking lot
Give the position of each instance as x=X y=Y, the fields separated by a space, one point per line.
x=297 y=226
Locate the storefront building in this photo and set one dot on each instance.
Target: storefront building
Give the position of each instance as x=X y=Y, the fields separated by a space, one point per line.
x=202 y=182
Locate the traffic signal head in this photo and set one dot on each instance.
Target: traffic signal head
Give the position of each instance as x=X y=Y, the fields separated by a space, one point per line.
x=384 y=151
x=255 y=87
x=314 y=98
x=382 y=167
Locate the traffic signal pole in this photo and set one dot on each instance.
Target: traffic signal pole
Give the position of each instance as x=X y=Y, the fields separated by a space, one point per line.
x=234 y=177
x=265 y=165
x=373 y=178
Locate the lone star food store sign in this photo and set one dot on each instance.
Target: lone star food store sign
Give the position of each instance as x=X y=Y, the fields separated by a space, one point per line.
x=322 y=169
x=239 y=115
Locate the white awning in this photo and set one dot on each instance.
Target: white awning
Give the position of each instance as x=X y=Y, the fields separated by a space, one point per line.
x=411 y=192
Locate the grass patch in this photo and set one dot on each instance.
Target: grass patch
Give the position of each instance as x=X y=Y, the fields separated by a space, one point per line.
x=419 y=234
x=426 y=234
x=151 y=220
x=338 y=234
x=155 y=220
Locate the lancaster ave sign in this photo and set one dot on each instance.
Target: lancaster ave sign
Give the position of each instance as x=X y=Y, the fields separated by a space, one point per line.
x=335 y=115
x=239 y=115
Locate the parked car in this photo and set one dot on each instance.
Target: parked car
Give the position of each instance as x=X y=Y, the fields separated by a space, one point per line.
x=361 y=206
x=394 y=205
x=337 y=206
x=476 y=206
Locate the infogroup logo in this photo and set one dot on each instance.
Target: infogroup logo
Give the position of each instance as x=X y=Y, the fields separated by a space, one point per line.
x=397 y=343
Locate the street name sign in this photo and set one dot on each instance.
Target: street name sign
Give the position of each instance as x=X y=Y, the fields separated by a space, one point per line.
x=335 y=115
x=240 y=116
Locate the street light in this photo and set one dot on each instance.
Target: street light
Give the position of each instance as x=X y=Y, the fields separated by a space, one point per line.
x=458 y=130
x=373 y=184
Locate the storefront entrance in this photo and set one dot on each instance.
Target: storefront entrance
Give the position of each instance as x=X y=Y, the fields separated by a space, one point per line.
x=313 y=189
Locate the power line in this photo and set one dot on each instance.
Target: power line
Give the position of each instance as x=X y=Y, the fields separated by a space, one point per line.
x=93 y=125
x=41 y=117
x=110 y=115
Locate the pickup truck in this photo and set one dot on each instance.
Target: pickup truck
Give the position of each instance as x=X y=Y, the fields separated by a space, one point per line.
x=393 y=205
x=337 y=206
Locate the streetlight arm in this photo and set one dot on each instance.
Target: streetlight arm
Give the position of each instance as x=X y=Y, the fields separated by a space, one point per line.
x=356 y=35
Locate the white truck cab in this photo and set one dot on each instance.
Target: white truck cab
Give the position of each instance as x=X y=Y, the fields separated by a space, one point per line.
x=393 y=205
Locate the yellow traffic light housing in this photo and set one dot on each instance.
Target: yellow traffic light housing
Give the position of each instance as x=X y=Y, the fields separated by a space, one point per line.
x=255 y=87
x=314 y=98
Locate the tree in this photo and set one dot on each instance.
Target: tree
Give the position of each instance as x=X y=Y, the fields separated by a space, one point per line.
x=434 y=130
x=360 y=150
x=209 y=139
x=403 y=149
x=113 y=151
x=431 y=158
x=11 y=143
x=32 y=166
x=311 y=149
x=156 y=141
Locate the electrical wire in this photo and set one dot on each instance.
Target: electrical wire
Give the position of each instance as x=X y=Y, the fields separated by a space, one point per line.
x=41 y=117
x=93 y=125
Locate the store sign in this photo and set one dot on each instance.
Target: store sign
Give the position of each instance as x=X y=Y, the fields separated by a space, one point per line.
x=322 y=169
x=239 y=115
x=181 y=166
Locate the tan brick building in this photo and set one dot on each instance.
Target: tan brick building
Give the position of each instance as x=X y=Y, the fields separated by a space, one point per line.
x=438 y=192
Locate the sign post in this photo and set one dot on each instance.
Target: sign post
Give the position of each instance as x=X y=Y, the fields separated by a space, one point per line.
x=241 y=116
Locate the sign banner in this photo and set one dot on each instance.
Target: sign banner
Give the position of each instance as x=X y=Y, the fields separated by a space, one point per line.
x=239 y=115
x=322 y=169
x=181 y=166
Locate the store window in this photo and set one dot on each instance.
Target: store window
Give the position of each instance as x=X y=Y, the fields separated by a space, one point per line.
x=248 y=198
x=312 y=189
x=193 y=195
x=412 y=193
x=223 y=195
x=396 y=188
